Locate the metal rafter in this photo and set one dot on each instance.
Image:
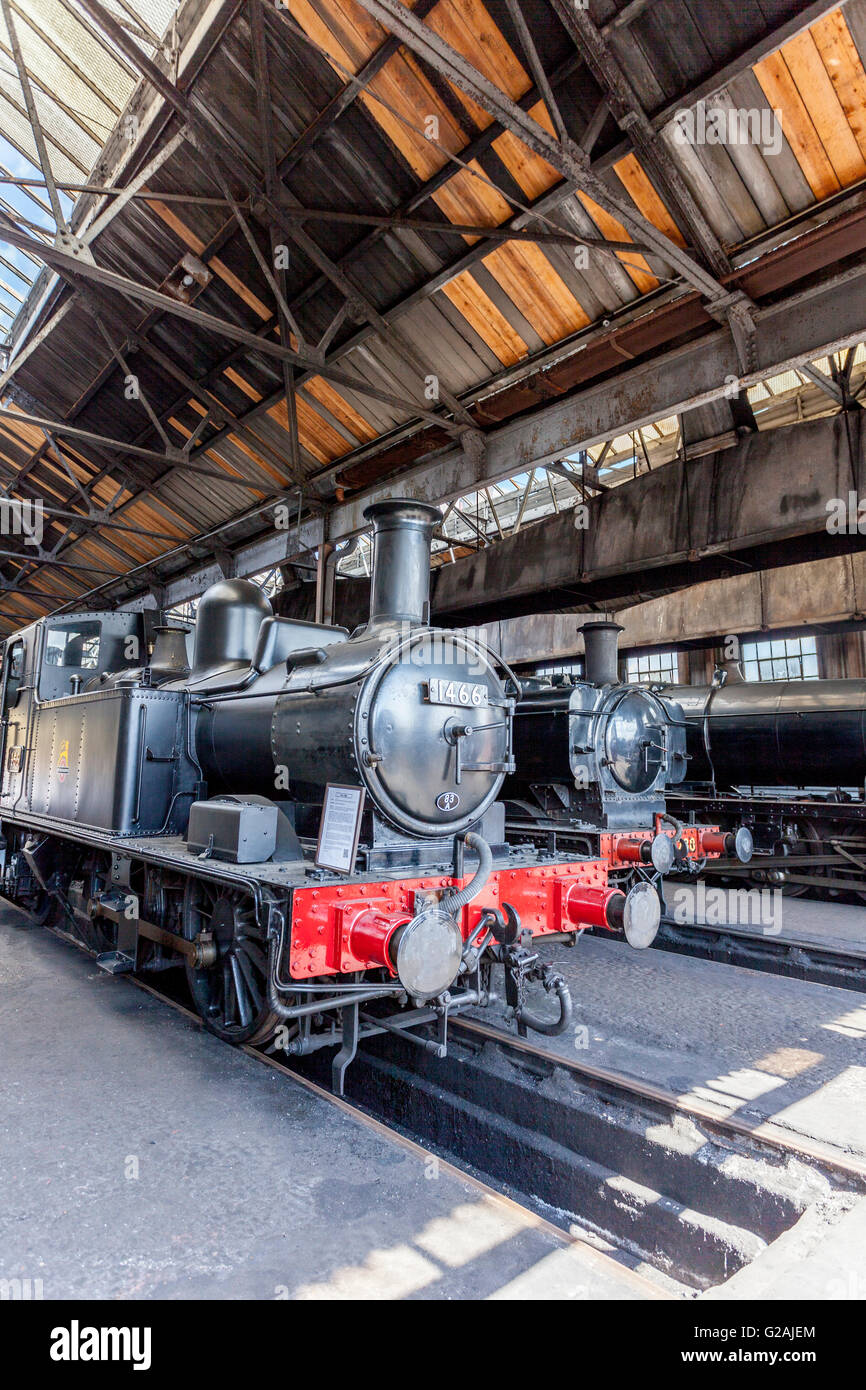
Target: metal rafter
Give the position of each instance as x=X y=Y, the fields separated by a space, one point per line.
x=328 y=117
x=79 y=269
x=221 y=417
x=442 y=228
x=123 y=447
x=537 y=68
x=96 y=518
x=129 y=375
x=566 y=193
x=634 y=122
x=286 y=319
x=355 y=295
x=492 y=236
x=205 y=127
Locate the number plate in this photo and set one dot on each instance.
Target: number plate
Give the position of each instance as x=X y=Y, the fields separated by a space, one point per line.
x=464 y=693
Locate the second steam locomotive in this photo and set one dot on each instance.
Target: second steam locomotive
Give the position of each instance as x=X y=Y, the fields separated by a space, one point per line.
x=596 y=761
x=788 y=758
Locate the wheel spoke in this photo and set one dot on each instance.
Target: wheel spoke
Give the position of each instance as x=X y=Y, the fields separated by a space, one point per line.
x=231 y=995
x=245 y=1016
x=228 y=991
x=253 y=951
x=248 y=973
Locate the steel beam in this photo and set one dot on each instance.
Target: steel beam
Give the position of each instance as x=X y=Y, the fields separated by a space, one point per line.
x=287 y=321
x=33 y=117
x=130 y=289
x=442 y=228
x=819 y=591
x=327 y=118
x=121 y=446
x=769 y=497
x=449 y=170
x=632 y=119
x=789 y=334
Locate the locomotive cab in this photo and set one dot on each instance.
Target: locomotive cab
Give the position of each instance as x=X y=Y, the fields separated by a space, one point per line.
x=45 y=666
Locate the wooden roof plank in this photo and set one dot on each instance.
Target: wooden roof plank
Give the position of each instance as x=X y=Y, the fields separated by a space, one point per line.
x=783 y=95
x=613 y=230
x=820 y=97
x=539 y=292
x=844 y=65
x=646 y=198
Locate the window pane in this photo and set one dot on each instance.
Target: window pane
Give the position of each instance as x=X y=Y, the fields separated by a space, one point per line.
x=657 y=668
x=77 y=646
x=789 y=658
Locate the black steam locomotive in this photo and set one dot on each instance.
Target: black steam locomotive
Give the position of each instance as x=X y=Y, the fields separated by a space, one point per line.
x=304 y=819
x=596 y=762
x=789 y=759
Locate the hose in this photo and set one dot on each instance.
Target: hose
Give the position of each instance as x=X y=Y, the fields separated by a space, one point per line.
x=453 y=902
x=531 y=1020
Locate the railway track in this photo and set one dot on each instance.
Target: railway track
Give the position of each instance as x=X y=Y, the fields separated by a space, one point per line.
x=677 y=1185
x=800 y=958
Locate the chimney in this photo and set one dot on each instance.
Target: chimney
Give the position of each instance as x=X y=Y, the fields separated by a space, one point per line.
x=600 y=641
x=402 y=532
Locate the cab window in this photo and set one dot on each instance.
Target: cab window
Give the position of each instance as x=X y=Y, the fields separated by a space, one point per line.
x=14 y=673
x=70 y=649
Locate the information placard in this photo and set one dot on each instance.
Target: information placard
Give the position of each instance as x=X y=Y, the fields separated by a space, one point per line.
x=340 y=827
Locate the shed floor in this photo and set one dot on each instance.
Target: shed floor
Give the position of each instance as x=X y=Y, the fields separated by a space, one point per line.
x=142 y=1158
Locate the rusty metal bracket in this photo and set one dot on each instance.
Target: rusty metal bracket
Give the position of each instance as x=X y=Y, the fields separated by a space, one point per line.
x=737 y=311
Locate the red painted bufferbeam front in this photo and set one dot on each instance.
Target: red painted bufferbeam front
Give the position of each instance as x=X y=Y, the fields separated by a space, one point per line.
x=346 y=927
